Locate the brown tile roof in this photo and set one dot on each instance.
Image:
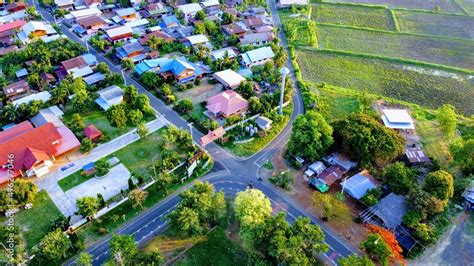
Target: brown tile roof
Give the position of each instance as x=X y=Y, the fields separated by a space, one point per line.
x=78 y=62
x=233 y=28
x=90 y=21
x=15 y=88
x=160 y=34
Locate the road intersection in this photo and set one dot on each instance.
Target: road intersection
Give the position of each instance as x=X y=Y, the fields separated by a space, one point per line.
x=230 y=174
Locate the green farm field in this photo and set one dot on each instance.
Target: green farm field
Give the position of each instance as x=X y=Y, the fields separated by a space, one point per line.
x=435 y=24
x=427 y=87
x=467 y=5
x=353 y=15
x=447 y=6
x=451 y=52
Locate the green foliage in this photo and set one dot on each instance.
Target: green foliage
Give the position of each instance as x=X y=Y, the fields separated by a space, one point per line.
x=283 y=180
x=366 y=139
x=82 y=100
x=117 y=116
x=423 y=232
x=200 y=15
x=372 y=196
x=311 y=136
x=425 y=204
x=123 y=246
x=86 y=145
x=439 y=184
x=412 y=218
x=135 y=117
x=331 y=208
x=252 y=208
x=463 y=153
x=103 y=68
x=399 y=178
x=246 y=89
x=184 y=106
x=128 y=63
x=24 y=191
x=446 y=116
x=54 y=245
x=354 y=260
x=377 y=248
x=84 y=259
x=136 y=197
x=76 y=123
x=102 y=167
x=142 y=130
x=87 y=206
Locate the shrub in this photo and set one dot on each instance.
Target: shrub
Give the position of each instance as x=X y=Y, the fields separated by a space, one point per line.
x=371 y=197
x=102 y=167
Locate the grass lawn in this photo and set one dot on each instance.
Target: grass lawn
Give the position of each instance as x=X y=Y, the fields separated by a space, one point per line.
x=36 y=222
x=125 y=212
x=218 y=249
x=254 y=146
x=47 y=2
x=99 y=119
x=73 y=180
x=424 y=86
x=436 y=24
x=438 y=50
x=353 y=15
x=139 y=155
x=338 y=104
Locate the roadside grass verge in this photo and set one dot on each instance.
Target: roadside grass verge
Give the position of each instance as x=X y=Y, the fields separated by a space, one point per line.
x=36 y=222
x=73 y=180
x=431 y=23
x=374 y=17
x=433 y=49
x=250 y=148
x=428 y=87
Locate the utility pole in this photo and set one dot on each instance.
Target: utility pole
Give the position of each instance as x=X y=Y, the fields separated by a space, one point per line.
x=283 y=71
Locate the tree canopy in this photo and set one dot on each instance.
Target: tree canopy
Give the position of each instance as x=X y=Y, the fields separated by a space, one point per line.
x=87 y=206
x=123 y=247
x=367 y=139
x=439 y=184
x=311 y=136
x=446 y=116
x=399 y=178
x=54 y=245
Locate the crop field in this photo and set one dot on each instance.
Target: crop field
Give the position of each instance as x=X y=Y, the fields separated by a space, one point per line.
x=304 y=38
x=451 y=52
x=424 y=86
x=353 y=15
x=467 y=5
x=447 y=6
x=435 y=24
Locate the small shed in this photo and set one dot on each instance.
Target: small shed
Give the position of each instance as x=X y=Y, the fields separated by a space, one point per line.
x=340 y=160
x=388 y=212
x=264 y=123
x=21 y=73
x=92 y=132
x=324 y=181
x=397 y=119
x=212 y=136
x=358 y=185
x=315 y=168
x=89 y=168
x=416 y=155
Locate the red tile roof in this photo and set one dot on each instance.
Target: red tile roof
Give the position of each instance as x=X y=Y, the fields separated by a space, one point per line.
x=14 y=131
x=78 y=62
x=12 y=25
x=212 y=135
x=92 y=132
x=33 y=156
x=161 y=35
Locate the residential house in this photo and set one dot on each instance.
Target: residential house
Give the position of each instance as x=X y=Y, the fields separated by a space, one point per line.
x=253 y=22
x=132 y=50
x=197 y=40
x=358 y=185
x=388 y=212
x=233 y=3
x=257 y=11
x=257 y=39
x=93 y=78
x=32 y=30
x=43 y=96
x=229 y=78
x=416 y=155
x=266 y=28
x=340 y=160
x=92 y=3
x=51 y=114
x=135 y=3
x=119 y=33
x=182 y=31
x=143 y=40
x=83 y=13
x=128 y=14
x=76 y=66
x=21 y=73
x=230 y=52
x=15 y=7
x=289 y=3
x=397 y=119
x=178 y=68
x=91 y=60
x=92 y=133
x=8 y=31
x=211 y=7
x=169 y=22
x=226 y=104
x=109 y=96
x=468 y=195
x=257 y=56
x=138 y=23
x=64 y=4
x=157 y=10
x=237 y=28
x=34 y=149
x=92 y=23
x=315 y=168
x=16 y=89
x=47 y=78
x=189 y=10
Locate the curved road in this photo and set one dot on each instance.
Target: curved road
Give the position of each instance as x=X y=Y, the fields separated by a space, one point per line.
x=230 y=174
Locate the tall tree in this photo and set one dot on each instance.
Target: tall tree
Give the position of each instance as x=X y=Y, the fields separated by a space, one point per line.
x=446 y=116
x=377 y=248
x=439 y=184
x=399 y=178
x=87 y=206
x=354 y=260
x=463 y=153
x=137 y=196
x=311 y=136
x=24 y=191
x=123 y=248
x=84 y=259
x=81 y=100
x=142 y=130
x=54 y=245
x=117 y=116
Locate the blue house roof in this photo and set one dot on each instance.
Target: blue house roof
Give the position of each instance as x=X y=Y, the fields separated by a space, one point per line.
x=168 y=20
x=90 y=59
x=176 y=66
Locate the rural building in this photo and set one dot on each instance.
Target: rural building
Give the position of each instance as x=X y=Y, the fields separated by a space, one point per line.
x=158 y=34
x=43 y=96
x=340 y=160
x=358 y=185
x=289 y=3
x=48 y=115
x=94 y=78
x=109 y=96
x=132 y=50
x=92 y=23
x=16 y=89
x=315 y=168
x=229 y=78
x=226 y=103
x=230 y=52
x=416 y=155
x=156 y=10
x=190 y=10
x=34 y=149
x=388 y=212
x=256 y=39
x=197 y=40
x=82 y=13
x=127 y=14
x=92 y=133
x=327 y=177
x=264 y=123
x=169 y=22
x=15 y=7
x=76 y=66
x=92 y=3
x=397 y=119
x=253 y=23
x=64 y=4
x=211 y=136
x=237 y=28
x=257 y=56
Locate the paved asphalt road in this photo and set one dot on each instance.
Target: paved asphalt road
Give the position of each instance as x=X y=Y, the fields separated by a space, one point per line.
x=229 y=174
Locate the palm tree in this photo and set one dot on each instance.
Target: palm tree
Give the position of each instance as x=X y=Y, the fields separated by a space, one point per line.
x=11 y=112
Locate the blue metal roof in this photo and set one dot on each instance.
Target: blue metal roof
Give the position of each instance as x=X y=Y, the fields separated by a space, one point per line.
x=90 y=59
x=170 y=20
x=88 y=166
